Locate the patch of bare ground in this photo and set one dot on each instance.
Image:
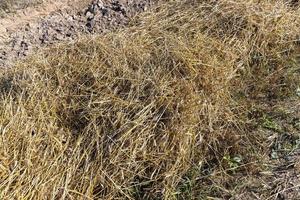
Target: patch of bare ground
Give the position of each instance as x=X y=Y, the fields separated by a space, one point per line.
x=32 y=28
x=31 y=14
x=11 y=6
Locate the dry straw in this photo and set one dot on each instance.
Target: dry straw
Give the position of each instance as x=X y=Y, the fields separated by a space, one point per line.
x=125 y=115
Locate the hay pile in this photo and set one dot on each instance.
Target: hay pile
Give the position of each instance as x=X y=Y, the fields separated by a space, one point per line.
x=127 y=114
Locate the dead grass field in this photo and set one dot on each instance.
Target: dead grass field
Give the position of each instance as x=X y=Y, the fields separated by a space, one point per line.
x=148 y=111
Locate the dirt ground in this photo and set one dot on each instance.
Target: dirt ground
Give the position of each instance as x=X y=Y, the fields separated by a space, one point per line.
x=27 y=30
x=63 y=20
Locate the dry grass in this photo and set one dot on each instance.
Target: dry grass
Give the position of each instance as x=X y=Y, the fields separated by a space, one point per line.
x=128 y=114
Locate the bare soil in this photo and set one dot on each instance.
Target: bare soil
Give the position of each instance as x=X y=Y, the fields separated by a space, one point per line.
x=63 y=20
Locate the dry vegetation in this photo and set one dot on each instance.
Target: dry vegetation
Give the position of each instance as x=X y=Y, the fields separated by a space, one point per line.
x=129 y=114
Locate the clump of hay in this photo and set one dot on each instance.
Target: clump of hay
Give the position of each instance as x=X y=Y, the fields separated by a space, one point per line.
x=127 y=114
